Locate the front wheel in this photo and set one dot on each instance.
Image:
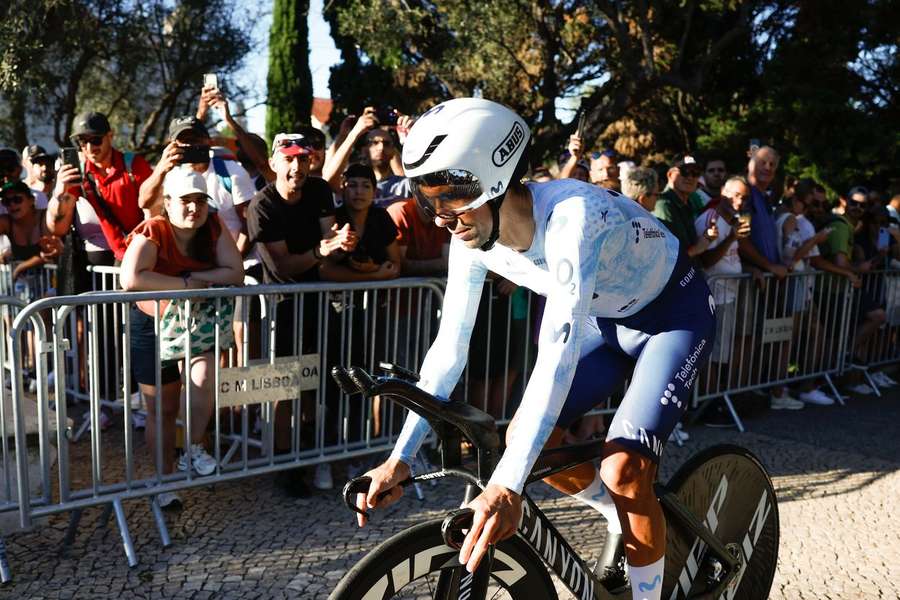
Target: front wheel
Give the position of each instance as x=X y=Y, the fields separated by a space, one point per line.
x=416 y=564
x=728 y=489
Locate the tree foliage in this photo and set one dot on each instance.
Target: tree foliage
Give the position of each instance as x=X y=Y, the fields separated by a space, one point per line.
x=289 y=79
x=654 y=78
x=141 y=63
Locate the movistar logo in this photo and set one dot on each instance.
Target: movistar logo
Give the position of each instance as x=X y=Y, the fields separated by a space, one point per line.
x=509 y=145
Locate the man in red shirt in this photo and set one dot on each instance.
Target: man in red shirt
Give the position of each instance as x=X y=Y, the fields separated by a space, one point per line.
x=108 y=194
x=424 y=247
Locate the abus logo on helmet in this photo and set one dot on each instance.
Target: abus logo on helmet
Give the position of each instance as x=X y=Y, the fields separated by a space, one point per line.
x=508 y=146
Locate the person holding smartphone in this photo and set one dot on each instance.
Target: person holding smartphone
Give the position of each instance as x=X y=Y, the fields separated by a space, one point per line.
x=104 y=196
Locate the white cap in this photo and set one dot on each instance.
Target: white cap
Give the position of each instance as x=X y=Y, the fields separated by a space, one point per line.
x=183 y=180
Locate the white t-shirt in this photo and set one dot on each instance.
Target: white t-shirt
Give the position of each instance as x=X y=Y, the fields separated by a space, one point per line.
x=724 y=290
x=787 y=247
x=242 y=191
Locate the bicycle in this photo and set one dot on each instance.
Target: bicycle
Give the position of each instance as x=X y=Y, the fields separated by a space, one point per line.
x=720 y=507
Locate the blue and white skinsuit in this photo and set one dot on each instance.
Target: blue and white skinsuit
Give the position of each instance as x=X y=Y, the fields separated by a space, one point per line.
x=619 y=294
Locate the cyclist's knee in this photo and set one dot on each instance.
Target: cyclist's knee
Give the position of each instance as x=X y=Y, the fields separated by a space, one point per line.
x=628 y=473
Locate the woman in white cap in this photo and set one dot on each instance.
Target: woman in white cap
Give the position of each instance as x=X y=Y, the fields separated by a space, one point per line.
x=183 y=248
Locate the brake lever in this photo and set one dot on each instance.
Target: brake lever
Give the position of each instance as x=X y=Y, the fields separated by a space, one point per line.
x=454 y=523
x=360 y=485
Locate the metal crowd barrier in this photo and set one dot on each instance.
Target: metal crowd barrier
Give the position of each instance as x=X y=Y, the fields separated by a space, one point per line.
x=31 y=285
x=313 y=422
x=874 y=323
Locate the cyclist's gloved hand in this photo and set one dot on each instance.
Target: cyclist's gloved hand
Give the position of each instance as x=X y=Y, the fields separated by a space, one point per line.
x=386 y=477
x=497 y=514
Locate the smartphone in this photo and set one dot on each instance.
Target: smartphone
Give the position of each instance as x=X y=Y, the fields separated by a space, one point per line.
x=195 y=154
x=754 y=144
x=582 y=122
x=69 y=156
x=210 y=80
x=387 y=115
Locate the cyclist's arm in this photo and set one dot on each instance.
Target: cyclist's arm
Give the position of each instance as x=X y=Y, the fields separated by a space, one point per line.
x=447 y=356
x=572 y=251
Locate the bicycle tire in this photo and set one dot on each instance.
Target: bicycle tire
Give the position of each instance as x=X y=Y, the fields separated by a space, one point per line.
x=745 y=512
x=417 y=554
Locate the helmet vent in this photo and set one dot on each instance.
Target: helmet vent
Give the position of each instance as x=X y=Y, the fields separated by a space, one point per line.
x=428 y=152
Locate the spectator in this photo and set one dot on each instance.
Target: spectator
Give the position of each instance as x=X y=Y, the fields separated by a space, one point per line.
x=640 y=184
x=673 y=208
x=798 y=244
x=375 y=257
x=39 y=173
x=714 y=176
x=31 y=244
x=423 y=246
x=108 y=208
x=183 y=247
x=722 y=259
x=893 y=208
x=571 y=162
x=573 y=170
x=377 y=254
x=605 y=170
x=292 y=222
x=227 y=182
x=837 y=252
x=761 y=251
x=380 y=151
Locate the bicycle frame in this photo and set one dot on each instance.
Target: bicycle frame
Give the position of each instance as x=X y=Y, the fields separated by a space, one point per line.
x=449 y=421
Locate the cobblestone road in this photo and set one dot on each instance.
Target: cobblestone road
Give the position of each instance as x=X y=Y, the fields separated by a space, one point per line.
x=836 y=470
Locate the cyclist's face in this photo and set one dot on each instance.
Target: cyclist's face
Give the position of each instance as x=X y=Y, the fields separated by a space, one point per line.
x=472 y=227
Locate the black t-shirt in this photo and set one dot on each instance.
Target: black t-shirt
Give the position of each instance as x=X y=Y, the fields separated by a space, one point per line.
x=271 y=219
x=379 y=233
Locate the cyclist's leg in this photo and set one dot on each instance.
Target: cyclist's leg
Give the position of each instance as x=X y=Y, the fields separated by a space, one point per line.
x=660 y=388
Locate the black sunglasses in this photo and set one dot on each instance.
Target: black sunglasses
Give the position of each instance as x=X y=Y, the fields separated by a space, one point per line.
x=94 y=140
x=17 y=199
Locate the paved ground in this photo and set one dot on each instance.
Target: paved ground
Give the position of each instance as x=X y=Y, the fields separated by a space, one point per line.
x=836 y=470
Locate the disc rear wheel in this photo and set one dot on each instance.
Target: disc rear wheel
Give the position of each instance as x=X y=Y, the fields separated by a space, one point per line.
x=727 y=488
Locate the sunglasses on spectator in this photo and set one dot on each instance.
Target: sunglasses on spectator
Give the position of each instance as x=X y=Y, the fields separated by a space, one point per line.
x=94 y=140
x=607 y=153
x=14 y=199
x=689 y=172
x=856 y=205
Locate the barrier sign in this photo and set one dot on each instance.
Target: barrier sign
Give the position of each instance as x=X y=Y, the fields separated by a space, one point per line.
x=777 y=330
x=267 y=382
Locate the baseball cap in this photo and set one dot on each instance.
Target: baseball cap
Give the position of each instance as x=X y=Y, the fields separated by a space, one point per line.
x=181 y=181
x=292 y=144
x=857 y=189
x=35 y=152
x=361 y=170
x=90 y=123
x=181 y=124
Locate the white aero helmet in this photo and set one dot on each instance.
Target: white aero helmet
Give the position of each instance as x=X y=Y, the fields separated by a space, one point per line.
x=463 y=153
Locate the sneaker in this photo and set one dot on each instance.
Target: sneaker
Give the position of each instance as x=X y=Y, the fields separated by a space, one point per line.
x=322 y=479
x=201 y=461
x=861 y=388
x=138 y=419
x=881 y=379
x=168 y=501
x=784 y=402
x=817 y=397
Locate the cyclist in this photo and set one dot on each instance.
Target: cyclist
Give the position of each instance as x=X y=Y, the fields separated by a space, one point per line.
x=620 y=293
